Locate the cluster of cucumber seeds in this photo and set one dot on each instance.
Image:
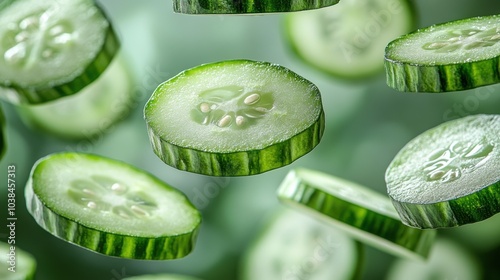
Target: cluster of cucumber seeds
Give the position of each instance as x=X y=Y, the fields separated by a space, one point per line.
x=230 y=105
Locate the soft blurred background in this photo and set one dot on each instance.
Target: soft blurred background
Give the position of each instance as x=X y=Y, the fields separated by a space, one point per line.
x=367 y=124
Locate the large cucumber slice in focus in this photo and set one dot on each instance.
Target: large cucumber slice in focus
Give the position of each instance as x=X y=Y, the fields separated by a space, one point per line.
x=365 y=214
x=295 y=246
x=52 y=48
x=247 y=6
x=348 y=40
x=452 y=56
x=15 y=263
x=234 y=118
x=449 y=175
x=110 y=207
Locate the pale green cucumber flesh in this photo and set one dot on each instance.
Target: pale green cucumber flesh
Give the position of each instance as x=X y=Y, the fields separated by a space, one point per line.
x=91 y=111
x=52 y=49
x=347 y=40
x=15 y=263
x=365 y=214
x=295 y=246
x=452 y=56
x=449 y=175
x=234 y=118
x=447 y=260
x=110 y=207
x=161 y=277
x=247 y=6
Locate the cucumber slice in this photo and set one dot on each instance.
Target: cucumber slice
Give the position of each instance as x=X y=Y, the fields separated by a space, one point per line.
x=247 y=6
x=90 y=112
x=452 y=56
x=110 y=207
x=448 y=260
x=15 y=263
x=161 y=277
x=234 y=118
x=52 y=48
x=365 y=214
x=348 y=39
x=295 y=246
x=449 y=175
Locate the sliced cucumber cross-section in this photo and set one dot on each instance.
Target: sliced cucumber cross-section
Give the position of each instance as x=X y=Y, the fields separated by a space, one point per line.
x=348 y=40
x=296 y=246
x=90 y=112
x=110 y=207
x=52 y=48
x=449 y=175
x=247 y=6
x=234 y=118
x=452 y=56
x=15 y=263
x=365 y=214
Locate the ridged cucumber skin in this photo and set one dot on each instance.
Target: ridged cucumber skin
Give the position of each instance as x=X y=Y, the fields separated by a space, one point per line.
x=161 y=277
x=441 y=78
x=106 y=242
x=46 y=93
x=471 y=208
x=435 y=78
x=247 y=6
x=241 y=163
x=302 y=193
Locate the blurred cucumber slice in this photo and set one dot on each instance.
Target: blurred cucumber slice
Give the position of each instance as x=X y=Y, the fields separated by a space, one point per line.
x=15 y=263
x=295 y=246
x=447 y=260
x=91 y=111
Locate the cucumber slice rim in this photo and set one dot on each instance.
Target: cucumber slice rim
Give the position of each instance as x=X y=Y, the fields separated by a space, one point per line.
x=363 y=213
x=247 y=7
x=409 y=69
x=62 y=84
x=443 y=188
x=233 y=90
x=107 y=216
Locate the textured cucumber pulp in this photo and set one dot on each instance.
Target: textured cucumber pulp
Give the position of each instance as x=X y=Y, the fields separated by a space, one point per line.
x=448 y=175
x=236 y=117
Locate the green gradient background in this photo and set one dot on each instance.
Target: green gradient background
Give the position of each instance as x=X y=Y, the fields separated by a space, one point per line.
x=367 y=124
